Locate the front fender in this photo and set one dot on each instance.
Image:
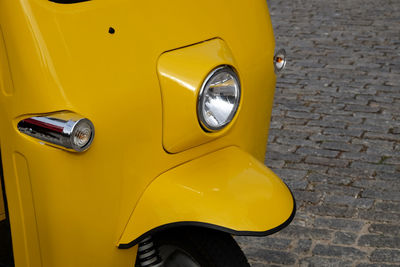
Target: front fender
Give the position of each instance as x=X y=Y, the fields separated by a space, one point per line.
x=227 y=190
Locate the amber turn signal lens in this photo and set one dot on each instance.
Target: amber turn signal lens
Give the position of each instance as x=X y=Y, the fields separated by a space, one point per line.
x=280 y=60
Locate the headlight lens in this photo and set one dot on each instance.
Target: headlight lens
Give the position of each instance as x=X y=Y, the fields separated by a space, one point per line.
x=219 y=98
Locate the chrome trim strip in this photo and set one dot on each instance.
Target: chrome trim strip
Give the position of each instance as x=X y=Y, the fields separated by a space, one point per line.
x=55 y=130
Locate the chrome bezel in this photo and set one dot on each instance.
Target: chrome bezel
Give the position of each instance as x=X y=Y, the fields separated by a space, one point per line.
x=203 y=123
x=282 y=54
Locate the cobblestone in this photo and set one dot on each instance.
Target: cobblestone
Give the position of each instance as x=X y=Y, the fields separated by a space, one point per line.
x=345 y=238
x=377 y=265
x=338 y=251
x=338 y=224
x=320 y=261
x=379 y=241
x=335 y=134
x=386 y=255
x=386 y=229
x=296 y=231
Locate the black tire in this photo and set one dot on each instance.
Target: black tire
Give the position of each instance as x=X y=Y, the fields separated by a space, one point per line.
x=207 y=247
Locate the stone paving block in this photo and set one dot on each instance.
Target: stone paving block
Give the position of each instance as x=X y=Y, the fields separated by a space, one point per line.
x=338 y=189
x=388 y=176
x=327 y=124
x=354 y=173
x=362 y=108
x=307 y=196
x=315 y=177
x=379 y=241
x=294 y=141
x=331 y=209
x=269 y=242
x=383 y=136
x=327 y=161
x=362 y=203
x=379 y=216
x=321 y=261
x=317 y=152
x=259 y=264
x=386 y=229
x=368 y=128
x=381 y=194
x=385 y=255
x=379 y=184
x=271 y=256
x=388 y=206
x=291 y=174
x=342 y=146
x=364 y=157
x=338 y=251
x=303 y=245
x=297 y=184
x=302 y=115
x=377 y=167
x=344 y=238
x=306 y=167
x=343 y=132
x=377 y=265
x=297 y=231
x=392 y=160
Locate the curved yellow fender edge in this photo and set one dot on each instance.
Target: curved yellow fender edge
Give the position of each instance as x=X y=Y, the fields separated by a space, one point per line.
x=227 y=190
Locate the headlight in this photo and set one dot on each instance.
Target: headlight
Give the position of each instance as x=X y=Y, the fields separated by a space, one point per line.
x=218 y=98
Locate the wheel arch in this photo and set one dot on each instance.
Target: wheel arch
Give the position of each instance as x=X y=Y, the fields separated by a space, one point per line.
x=194 y=225
x=245 y=198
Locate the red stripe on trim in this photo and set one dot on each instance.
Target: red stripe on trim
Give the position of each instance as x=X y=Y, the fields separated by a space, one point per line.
x=45 y=125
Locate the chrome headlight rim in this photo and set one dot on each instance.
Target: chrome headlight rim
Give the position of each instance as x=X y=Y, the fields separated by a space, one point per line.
x=200 y=99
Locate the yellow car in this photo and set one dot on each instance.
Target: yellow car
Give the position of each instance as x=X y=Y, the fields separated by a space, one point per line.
x=134 y=132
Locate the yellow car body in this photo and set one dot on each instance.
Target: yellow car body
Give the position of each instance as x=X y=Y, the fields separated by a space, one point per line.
x=134 y=68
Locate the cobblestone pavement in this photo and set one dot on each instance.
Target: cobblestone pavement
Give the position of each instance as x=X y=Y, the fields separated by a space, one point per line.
x=335 y=134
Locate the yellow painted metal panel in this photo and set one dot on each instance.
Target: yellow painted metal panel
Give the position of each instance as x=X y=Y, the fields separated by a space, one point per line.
x=181 y=74
x=62 y=58
x=228 y=188
x=29 y=236
x=6 y=85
